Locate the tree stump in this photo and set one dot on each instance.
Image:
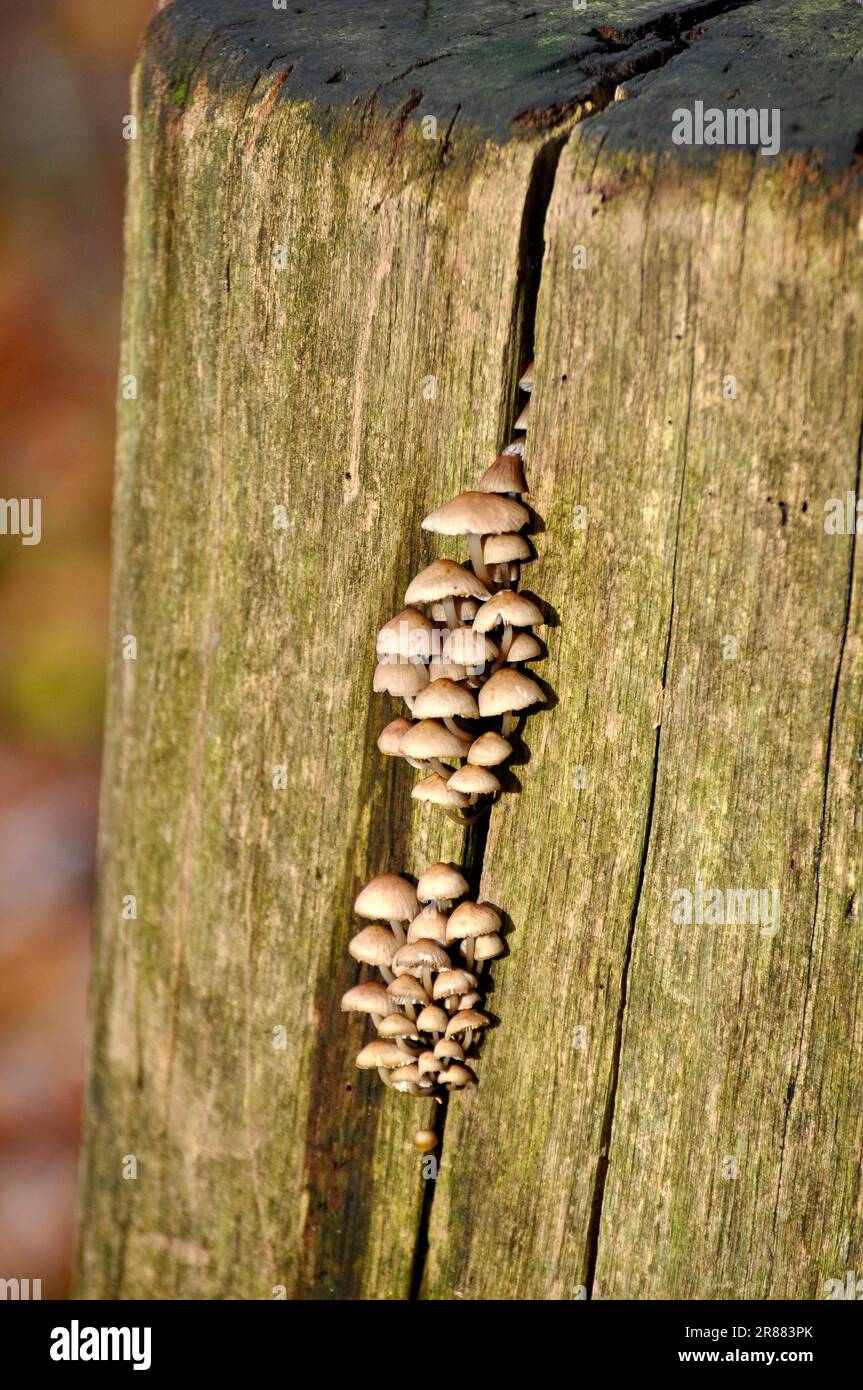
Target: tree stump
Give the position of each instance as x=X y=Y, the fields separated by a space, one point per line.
x=348 y=228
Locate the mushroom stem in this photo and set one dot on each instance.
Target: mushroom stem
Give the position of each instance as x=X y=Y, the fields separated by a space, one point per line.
x=377 y=1020
x=426 y=978
x=505 y=644
x=468 y=1039
x=409 y=704
x=419 y=763
x=469 y=952
x=452 y=726
x=410 y=1011
x=441 y=768
x=402 y=1044
x=384 y=1076
x=398 y=930
x=507 y=724
x=474 y=545
x=449 y=610
x=468 y=820
x=387 y=973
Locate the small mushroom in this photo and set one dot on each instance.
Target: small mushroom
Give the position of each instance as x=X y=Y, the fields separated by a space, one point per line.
x=390 y=896
x=521 y=422
x=428 y=1064
x=474 y=515
x=420 y=959
x=469 y=921
x=449 y=1050
x=409 y=993
x=488 y=751
x=441 y=884
x=374 y=945
x=368 y=998
x=404 y=679
x=469 y=648
x=432 y=1019
x=487 y=947
x=410 y=1079
x=406 y=637
x=465 y=1023
x=506 y=474
x=445 y=699
x=390 y=737
x=526 y=379
x=475 y=781
x=436 y=789
x=444 y=580
x=397 y=1026
x=428 y=741
x=512 y=610
x=447 y=670
x=450 y=985
x=456 y=1077
x=382 y=1056
x=524 y=647
x=430 y=925
x=506 y=692
x=468 y=1001
x=425 y=1140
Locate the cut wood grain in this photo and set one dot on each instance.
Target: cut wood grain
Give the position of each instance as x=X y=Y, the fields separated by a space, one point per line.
x=326 y=313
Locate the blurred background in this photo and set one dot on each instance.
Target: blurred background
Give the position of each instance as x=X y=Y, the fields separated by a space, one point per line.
x=64 y=67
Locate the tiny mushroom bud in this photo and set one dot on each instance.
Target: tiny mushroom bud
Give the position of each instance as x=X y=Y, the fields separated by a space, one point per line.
x=526 y=379
x=389 y=896
x=425 y=1140
x=477 y=514
x=489 y=750
x=487 y=947
x=468 y=1001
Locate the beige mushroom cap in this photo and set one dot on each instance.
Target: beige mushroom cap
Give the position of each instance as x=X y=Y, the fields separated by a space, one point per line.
x=526 y=379
x=450 y=982
x=408 y=635
x=467 y=647
x=425 y=1140
x=487 y=947
x=401 y=678
x=404 y=989
x=430 y=925
x=446 y=670
x=476 y=781
x=428 y=1064
x=367 y=998
x=390 y=737
x=435 y=789
x=444 y=579
x=508 y=690
x=489 y=750
x=410 y=1075
x=388 y=896
x=504 y=549
x=374 y=945
x=432 y=1019
x=411 y=958
x=472 y=919
x=477 y=513
x=473 y=997
x=464 y=1019
x=441 y=882
x=506 y=474
x=466 y=609
x=448 y=1049
x=507 y=606
x=397 y=1026
x=521 y=422
x=456 y=1076
x=444 y=699
x=381 y=1053
x=524 y=647
x=430 y=739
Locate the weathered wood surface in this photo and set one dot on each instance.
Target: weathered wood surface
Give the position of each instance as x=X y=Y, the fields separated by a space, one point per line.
x=597 y=1168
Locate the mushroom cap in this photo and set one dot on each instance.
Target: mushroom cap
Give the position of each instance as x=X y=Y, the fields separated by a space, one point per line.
x=425 y=1140
x=507 y=606
x=430 y=739
x=521 y=422
x=486 y=947
x=367 y=998
x=456 y=1076
x=472 y=998
x=466 y=609
x=407 y=635
x=506 y=474
x=435 y=789
x=441 y=881
x=432 y=1019
x=476 y=781
x=404 y=989
x=381 y=1053
x=399 y=678
x=508 y=690
x=390 y=737
x=430 y=925
x=488 y=751
x=503 y=549
x=415 y=956
x=390 y=896
x=477 y=513
x=449 y=1049
x=468 y=647
x=445 y=579
x=471 y=919
x=410 y=1073
x=450 y=982
x=374 y=945
x=397 y=1026
x=444 y=699
x=446 y=670
x=524 y=647
x=526 y=380
x=464 y=1019
x=428 y=1064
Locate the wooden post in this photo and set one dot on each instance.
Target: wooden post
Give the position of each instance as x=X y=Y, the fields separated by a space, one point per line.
x=343 y=242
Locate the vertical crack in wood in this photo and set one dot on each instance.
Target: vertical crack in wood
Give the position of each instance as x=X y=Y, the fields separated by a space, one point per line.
x=531 y=253
x=819 y=848
x=603 y=1159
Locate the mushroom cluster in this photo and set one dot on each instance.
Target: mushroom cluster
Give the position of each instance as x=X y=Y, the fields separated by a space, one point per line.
x=459 y=668
x=429 y=946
